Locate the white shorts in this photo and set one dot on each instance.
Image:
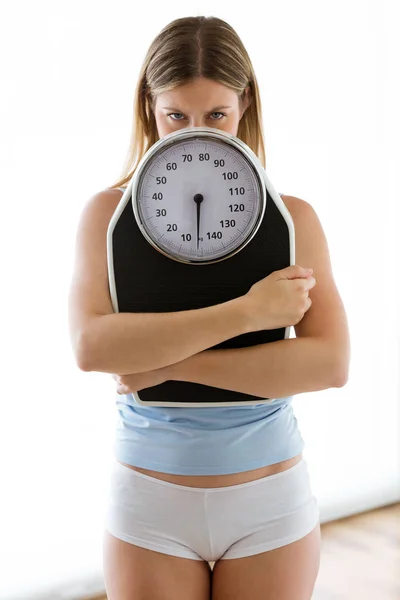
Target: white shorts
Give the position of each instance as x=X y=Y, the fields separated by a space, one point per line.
x=211 y=523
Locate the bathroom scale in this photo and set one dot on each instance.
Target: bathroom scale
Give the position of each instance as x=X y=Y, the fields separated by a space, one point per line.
x=197 y=225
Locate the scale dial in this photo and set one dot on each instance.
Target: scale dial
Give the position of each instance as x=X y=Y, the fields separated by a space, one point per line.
x=199 y=195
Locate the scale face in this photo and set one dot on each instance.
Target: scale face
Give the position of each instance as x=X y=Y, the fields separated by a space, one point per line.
x=198 y=197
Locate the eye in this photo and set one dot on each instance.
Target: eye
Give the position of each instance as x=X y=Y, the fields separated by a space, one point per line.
x=218 y=113
x=171 y=114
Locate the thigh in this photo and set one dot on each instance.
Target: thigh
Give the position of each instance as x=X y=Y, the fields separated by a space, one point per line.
x=134 y=573
x=286 y=573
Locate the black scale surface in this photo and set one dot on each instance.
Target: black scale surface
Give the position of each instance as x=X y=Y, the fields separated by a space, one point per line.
x=148 y=281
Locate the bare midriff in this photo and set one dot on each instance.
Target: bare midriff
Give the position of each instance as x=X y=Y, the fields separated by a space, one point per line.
x=211 y=481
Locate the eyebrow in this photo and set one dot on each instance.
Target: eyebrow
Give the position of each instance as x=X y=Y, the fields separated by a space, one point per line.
x=212 y=110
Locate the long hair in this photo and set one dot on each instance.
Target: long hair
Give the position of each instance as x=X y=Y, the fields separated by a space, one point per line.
x=184 y=49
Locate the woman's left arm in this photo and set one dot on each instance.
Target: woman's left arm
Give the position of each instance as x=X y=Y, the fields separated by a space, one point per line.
x=318 y=358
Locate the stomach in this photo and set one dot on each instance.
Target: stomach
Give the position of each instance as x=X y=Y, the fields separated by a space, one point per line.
x=211 y=481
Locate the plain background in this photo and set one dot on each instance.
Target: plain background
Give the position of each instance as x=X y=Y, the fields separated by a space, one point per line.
x=328 y=73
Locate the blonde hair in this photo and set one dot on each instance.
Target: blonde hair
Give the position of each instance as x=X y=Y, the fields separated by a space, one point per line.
x=185 y=49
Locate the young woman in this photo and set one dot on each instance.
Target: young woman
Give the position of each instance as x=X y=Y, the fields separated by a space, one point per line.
x=227 y=485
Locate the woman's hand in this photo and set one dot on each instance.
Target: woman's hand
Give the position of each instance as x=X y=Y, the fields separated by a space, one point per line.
x=281 y=299
x=134 y=382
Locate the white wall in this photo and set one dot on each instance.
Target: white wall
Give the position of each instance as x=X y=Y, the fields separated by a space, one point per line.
x=330 y=103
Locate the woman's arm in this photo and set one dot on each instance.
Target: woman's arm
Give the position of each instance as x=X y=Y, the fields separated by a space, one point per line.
x=133 y=342
x=319 y=356
x=275 y=370
x=140 y=342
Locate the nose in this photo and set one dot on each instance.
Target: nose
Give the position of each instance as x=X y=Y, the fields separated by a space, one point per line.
x=198 y=122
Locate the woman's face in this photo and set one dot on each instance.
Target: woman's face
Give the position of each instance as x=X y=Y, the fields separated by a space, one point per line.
x=200 y=103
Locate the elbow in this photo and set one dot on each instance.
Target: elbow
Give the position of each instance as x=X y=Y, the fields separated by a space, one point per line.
x=341 y=381
x=340 y=366
x=84 y=365
x=341 y=376
x=82 y=354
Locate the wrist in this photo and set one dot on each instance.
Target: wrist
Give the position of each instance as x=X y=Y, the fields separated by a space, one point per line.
x=241 y=307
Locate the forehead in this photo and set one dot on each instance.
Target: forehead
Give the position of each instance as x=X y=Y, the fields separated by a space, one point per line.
x=201 y=93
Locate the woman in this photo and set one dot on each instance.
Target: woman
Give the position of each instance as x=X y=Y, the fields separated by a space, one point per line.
x=176 y=504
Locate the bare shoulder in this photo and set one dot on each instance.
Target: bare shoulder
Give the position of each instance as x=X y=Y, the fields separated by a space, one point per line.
x=93 y=224
x=310 y=238
x=294 y=204
x=95 y=216
x=103 y=201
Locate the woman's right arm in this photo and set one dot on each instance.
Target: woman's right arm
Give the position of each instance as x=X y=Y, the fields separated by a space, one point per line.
x=126 y=343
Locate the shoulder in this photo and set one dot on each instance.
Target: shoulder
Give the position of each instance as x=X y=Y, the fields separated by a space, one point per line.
x=296 y=206
x=108 y=193
x=309 y=232
x=106 y=196
x=94 y=219
x=310 y=240
x=101 y=204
